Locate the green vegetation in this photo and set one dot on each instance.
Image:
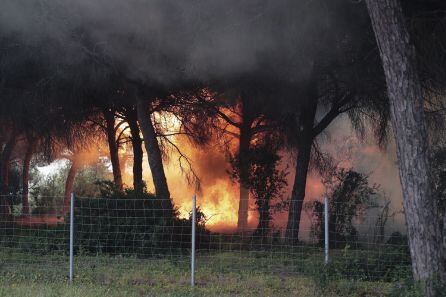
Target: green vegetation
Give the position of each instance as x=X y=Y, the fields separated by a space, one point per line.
x=48 y=190
x=219 y=275
x=129 y=223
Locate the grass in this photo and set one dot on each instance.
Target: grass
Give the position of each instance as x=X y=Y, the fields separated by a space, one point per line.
x=219 y=274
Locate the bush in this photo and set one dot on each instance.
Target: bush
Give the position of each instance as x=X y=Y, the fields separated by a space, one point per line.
x=41 y=240
x=125 y=223
x=130 y=223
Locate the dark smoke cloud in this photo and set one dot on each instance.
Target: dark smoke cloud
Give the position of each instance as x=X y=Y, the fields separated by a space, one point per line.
x=170 y=41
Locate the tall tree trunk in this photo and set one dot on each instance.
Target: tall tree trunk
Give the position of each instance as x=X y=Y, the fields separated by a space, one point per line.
x=25 y=175
x=154 y=156
x=137 y=151
x=408 y=120
x=69 y=185
x=305 y=142
x=298 y=192
x=244 y=143
x=5 y=203
x=109 y=116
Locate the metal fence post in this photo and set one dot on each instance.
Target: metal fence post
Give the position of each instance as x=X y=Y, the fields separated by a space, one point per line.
x=194 y=218
x=326 y=218
x=71 y=235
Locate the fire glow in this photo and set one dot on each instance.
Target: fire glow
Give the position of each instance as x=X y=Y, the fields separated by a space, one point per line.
x=218 y=195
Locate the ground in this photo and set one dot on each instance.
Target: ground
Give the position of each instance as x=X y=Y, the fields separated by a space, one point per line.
x=46 y=276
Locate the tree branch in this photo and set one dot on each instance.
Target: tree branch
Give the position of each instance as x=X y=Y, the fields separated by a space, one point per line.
x=227 y=119
x=332 y=114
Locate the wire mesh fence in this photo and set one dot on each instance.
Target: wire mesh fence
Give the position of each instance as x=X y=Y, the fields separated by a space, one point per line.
x=139 y=230
x=35 y=241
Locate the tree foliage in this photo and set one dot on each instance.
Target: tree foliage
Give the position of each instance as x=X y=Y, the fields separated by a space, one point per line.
x=265 y=180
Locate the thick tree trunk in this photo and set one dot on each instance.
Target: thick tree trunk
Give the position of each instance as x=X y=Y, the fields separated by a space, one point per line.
x=25 y=175
x=137 y=151
x=243 y=151
x=305 y=142
x=109 y=116
x=5 y=203
x=154 y=156
x=69 y=185
x=408 y=120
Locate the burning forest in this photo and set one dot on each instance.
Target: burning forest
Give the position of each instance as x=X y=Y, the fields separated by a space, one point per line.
x=259 y=108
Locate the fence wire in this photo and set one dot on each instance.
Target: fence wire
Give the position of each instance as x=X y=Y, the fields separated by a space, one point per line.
x=116 y=232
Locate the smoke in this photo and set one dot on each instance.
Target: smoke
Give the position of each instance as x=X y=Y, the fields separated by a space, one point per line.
x=170 y=42
x=379 y=164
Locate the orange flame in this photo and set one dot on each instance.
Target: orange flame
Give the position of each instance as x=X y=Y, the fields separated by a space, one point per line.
x=218 y=197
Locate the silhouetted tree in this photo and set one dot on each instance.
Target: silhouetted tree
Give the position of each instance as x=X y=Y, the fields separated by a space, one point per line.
x=238 y=110
x=128 y=113
x=345 y=80
x=154 y=155
x=111 y=130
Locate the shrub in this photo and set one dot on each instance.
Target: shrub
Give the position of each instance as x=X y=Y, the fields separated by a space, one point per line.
x=125 y=223
x=130 y=223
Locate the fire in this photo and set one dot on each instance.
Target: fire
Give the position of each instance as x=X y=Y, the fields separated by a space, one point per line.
x=218 y=203
x=218 y=196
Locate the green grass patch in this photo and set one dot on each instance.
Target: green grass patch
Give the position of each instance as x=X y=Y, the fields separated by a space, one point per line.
x=218 y=274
